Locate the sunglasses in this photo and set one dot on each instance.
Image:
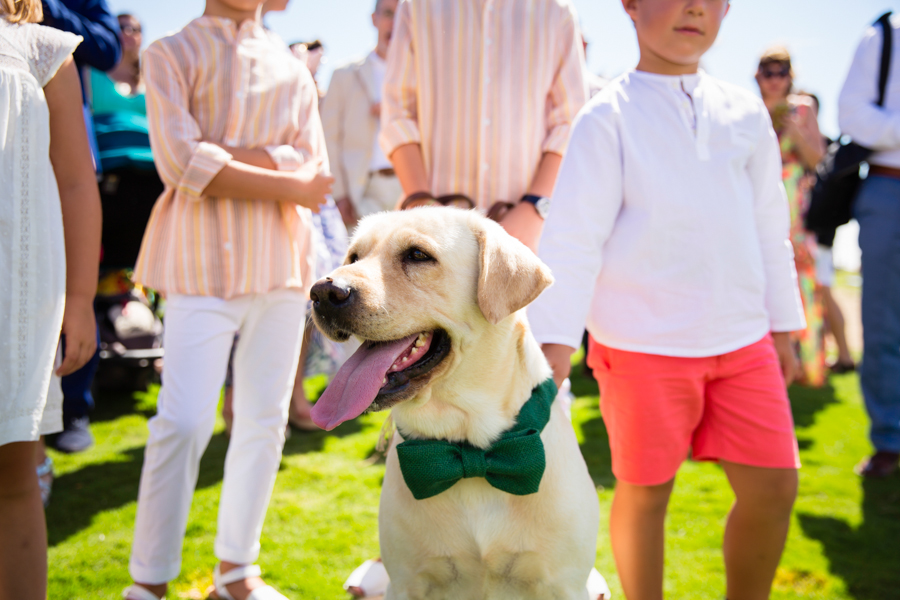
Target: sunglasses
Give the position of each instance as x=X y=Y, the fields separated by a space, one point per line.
x=773 y=73
x=129 y=30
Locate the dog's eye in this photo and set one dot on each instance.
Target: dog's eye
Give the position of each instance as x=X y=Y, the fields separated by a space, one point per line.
x=352 y=258
x=416 y=255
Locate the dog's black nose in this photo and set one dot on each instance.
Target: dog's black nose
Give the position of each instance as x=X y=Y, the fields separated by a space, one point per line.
x=330 y=293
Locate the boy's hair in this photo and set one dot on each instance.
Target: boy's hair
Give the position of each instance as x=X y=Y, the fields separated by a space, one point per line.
x=776 y=54
x=22 y=11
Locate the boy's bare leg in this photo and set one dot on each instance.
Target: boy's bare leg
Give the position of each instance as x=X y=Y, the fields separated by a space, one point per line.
x=757 y=528
x=23 y=531
x=636 y=530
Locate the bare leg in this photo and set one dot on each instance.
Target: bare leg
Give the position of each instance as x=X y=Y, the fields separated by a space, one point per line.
x=300 y=406
x=23 y=531
x=636 y=530
x=835 y=318
x=757 y=528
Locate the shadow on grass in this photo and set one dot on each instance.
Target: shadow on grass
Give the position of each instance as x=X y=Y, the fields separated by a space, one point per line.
x=866 y=558
x=96 y=488
x=595 y=448
x=806 y=402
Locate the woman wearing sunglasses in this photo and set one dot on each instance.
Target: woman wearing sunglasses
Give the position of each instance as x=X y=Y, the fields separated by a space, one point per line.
x=121 y=88
x=802 y=147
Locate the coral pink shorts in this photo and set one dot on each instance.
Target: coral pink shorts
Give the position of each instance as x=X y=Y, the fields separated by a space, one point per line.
x=732 y=407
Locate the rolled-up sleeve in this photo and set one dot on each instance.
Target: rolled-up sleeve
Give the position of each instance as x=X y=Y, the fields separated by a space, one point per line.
x=773 y=223
x=859 y=115
x=586 y=202
x=569 y=90
x=399 y=107
x=184 y=161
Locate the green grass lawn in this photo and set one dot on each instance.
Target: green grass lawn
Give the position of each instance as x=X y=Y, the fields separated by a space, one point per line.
x=322 y=522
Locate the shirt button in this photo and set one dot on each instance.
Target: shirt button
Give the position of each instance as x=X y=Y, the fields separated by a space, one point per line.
x=227 y=246
x=485 y=166
x=487 y=122
x=488 y=41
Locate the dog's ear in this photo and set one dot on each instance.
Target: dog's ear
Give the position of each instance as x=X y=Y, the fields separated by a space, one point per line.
x=510 y=275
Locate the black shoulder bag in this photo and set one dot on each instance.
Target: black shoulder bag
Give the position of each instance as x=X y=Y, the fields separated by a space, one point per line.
x=837 y=175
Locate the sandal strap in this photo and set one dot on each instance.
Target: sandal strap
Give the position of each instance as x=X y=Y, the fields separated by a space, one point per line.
x=137 y=592
x=237 y=574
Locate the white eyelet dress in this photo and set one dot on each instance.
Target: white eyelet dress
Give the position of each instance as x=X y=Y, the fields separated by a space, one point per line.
x=32 y=249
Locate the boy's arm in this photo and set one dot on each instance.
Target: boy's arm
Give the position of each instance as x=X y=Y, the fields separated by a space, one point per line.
x=399 y=136
x=568 y=93
x=198 y=168
x=773 y=223
x=860 y=118
x=586 y=202
x=80 y=203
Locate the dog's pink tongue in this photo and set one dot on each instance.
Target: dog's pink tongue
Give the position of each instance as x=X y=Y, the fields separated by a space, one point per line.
x=356 y=384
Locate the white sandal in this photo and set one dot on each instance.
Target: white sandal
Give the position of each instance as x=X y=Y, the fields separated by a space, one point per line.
x=371 y=577
x=138 y=592
x=220 y=580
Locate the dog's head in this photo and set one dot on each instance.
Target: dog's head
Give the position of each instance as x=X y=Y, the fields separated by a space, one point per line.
x=419 y=289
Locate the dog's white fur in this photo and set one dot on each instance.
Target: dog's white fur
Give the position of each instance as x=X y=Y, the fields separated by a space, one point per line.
x=472 y=541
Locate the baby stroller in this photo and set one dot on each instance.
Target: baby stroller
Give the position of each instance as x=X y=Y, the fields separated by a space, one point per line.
x=128 y=316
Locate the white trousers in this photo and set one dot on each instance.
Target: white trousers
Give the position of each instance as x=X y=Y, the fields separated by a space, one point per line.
x=198 y=337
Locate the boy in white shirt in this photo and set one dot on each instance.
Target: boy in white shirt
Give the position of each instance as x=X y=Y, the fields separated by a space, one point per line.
x=669 y=237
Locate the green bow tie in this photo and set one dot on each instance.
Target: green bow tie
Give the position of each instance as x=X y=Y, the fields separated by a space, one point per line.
x=514 y=463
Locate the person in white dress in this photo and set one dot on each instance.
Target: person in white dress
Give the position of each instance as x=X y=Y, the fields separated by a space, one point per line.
x=47 y=279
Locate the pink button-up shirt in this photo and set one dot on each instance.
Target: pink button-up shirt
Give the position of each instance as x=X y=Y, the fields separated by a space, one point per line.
x=216 y=83
x=486 y=87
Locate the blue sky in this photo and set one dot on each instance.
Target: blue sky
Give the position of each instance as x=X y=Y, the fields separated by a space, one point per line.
x=821 y=34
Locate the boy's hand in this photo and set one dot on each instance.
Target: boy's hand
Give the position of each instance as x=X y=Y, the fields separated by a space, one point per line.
x=524 y=223
x=560 y=358
x=80 y=330
x=790 y=365
x=311 y=186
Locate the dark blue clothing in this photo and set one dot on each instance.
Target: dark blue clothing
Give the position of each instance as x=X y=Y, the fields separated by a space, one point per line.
x=100 y=49
x=877 y=209
x=92 y=20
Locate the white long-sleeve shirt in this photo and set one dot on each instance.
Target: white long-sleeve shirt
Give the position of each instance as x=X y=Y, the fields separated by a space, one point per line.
x=868 y=124
x=668 y=232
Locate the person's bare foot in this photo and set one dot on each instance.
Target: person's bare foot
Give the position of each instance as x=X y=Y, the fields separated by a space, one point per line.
x=239 y=590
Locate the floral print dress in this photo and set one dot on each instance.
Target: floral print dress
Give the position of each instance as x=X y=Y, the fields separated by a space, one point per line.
x=810 y=342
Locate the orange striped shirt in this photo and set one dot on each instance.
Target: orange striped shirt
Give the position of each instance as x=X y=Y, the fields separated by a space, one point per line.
x=214 y=82
x=486 y=87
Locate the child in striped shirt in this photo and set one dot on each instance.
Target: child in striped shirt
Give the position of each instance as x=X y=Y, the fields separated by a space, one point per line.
x=237 y=139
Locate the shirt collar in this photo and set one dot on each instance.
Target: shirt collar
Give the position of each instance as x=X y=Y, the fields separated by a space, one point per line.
x=230 y=25
x=682 y=82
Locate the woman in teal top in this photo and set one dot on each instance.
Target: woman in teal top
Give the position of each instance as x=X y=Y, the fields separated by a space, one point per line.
x=121 y=89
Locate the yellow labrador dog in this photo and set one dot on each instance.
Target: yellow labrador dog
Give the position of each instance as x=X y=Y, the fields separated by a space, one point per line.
x=436 y=296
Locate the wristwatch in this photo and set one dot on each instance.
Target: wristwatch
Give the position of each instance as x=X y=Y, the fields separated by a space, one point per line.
x=541 y=204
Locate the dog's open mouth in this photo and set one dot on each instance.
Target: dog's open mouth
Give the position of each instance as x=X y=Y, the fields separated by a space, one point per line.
x=380 y=374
